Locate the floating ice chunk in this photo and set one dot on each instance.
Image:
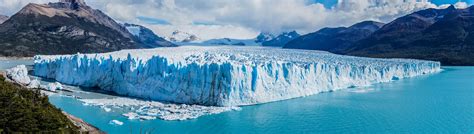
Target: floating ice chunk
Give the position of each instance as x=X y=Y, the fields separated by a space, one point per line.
x=144 y=117
x=116 y=122
x=54 y=86
x=19 y=74
x=149 y=110
x=131 y=115
x=106 y=109
x=34 y=84
x=224 y=76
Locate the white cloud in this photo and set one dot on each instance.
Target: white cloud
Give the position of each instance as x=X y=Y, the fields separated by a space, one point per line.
x=245 y=18
x=9 y=7
x=260 y=15
x=206 y=32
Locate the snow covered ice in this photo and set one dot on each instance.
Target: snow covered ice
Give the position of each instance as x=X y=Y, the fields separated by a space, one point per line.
x=224 y=75
x=19 y=74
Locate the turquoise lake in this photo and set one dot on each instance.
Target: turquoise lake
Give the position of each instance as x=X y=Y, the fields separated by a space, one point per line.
x=435 y=103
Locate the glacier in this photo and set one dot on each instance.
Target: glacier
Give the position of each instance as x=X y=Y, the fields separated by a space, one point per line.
x=224 y=75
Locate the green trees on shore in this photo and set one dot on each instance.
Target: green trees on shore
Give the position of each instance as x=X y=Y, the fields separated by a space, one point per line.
x=24 y=110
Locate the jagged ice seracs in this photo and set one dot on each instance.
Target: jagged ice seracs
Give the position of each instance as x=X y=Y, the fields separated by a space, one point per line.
x=224 y=75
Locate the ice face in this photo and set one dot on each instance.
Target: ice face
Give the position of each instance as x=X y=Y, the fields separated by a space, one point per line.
x=224 y=75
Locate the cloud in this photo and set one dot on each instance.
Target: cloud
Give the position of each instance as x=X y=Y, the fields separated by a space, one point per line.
x=9 y=7
x=272 y=16
x=245 y=18
x=206 y=32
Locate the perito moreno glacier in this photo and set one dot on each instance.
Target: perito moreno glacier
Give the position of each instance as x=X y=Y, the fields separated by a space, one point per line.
x=224 y=75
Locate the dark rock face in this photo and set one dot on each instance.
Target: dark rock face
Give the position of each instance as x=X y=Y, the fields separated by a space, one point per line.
x=281 y=39
x=444 y=35
x=335 y=40
x=147 y=38
x=3 y=18
x=65 y=27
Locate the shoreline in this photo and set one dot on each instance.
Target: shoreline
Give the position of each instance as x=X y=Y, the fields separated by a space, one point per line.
x=83 y=126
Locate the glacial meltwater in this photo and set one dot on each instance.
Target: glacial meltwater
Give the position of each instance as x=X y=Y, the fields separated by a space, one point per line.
x=436 y=103
x=441 y=103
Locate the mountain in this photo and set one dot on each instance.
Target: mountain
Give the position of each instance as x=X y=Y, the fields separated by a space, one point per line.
x=263 y=37
x=445 y=35
x=64 y=27
x=281 y=39
x=182 y=37
x=3 y=18
x=146 y=37
x=229 y=41
x=335 y=40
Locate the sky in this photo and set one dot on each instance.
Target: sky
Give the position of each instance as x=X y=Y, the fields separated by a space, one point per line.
x=244 y=19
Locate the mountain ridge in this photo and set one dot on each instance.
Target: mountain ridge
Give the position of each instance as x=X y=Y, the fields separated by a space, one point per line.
x=334 y=40
x=3 y=18
x=64 y=27
x=432 y=34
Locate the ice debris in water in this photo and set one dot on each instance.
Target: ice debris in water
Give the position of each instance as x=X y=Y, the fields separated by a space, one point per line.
x=224 y=76
x=116 y=122
x=54 y=86
x=149 y=110
x=34 y=84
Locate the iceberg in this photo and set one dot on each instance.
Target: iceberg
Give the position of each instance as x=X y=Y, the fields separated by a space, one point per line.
x=18 y=74
x=116 y=122
x=224 y=75
x=54 y=86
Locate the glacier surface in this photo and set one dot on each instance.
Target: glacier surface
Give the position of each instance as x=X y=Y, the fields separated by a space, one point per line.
x=224 y=75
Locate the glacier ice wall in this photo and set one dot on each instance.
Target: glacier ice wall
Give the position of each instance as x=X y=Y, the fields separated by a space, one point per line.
x=224 y=76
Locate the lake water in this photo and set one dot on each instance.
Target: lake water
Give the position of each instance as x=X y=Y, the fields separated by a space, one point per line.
x=6 y=64
x=436 y=103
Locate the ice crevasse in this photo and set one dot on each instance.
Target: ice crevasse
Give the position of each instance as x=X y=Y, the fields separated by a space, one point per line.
x=225 y=75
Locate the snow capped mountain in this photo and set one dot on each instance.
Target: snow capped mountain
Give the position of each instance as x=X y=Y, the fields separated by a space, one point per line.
x=3 y=18
x=262 y=37
x=281 y=40
x=184 y=37
x=146 y=37
x=228 y=41
x=224 y=75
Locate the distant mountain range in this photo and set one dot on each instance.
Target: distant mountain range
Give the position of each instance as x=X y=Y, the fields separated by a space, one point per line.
x=65 y=27
x=280 y=40
x=445 y=35
x=335 y=40
x=182 y=37
x=263 y=39
x=146 y=37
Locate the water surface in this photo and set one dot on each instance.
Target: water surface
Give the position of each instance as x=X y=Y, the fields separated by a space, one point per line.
x=436 y=103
